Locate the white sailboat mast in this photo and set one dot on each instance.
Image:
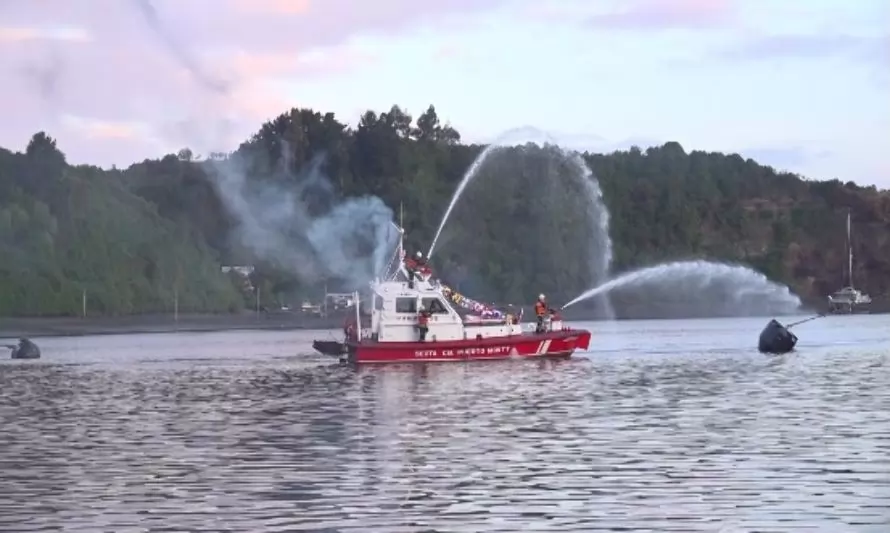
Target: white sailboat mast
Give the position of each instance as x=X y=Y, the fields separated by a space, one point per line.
x=849 y=251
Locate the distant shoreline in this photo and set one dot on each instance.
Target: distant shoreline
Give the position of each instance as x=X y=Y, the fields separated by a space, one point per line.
x=136 y=324
x=11 y=328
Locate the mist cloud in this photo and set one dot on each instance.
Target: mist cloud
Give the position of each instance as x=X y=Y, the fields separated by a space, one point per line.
x=352 y=240
x=295 y=221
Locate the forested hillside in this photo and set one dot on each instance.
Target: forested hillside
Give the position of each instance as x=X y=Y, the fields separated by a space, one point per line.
x=307 y=200
x=65 y=230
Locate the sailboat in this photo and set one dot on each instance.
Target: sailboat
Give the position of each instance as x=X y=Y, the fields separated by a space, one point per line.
x=849 y=299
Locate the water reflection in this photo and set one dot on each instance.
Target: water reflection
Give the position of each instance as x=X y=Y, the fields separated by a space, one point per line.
x=628 y=442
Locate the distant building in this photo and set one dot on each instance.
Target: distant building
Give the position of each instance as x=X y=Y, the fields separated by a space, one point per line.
x=243 y=270
x=339 y=300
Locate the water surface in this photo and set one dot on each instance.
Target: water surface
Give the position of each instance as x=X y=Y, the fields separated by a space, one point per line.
x=664 y=426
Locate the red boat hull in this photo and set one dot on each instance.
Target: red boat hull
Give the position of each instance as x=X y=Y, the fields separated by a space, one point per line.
x=553 y=344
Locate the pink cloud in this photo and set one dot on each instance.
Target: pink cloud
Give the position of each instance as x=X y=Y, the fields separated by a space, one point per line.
x=24 y=34
x=761 y=47
x=104 y=129
x=315 y=63
x=869 y=52
x=666 y=15
x=275 y=7
x=112 y=64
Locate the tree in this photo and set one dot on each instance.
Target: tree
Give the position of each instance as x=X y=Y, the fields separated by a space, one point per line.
x=523 y=226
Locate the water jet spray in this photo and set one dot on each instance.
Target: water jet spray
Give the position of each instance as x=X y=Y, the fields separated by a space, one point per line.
x=596 y=211
x=742 y=282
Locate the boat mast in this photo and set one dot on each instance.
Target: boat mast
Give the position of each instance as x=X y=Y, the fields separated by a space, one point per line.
x=358 y=316
x=849 y=251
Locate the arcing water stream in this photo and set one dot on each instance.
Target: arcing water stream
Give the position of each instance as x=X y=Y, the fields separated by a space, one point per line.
x=744 y=282
x=744 y=287
x=528 y=134
x=468 y=176
x=601 y=259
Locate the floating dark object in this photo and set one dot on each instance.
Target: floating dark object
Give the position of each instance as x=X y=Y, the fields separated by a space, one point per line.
x=332 y=348
x=25 y=350
x=776 y=338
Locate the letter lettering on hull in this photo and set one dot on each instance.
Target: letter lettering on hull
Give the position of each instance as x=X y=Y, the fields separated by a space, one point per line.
x=463 y=352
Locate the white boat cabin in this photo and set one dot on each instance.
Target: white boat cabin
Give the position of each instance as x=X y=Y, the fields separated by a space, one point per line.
x=396 y=305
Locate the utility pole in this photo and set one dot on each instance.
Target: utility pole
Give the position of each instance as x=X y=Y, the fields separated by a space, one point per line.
x=176 y=306
x=83 y=303
x=176 y=281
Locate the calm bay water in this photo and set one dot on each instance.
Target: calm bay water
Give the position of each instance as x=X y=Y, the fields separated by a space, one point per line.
x=664 y=426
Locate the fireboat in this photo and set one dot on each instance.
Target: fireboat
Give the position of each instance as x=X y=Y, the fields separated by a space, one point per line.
x=481 y=333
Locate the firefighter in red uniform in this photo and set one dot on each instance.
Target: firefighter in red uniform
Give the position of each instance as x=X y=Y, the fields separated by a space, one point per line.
x=349 y=330
x=423 y=323
x=414 y=265
x=541 y=311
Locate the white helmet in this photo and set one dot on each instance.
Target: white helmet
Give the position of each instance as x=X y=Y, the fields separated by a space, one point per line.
x=418 y=254
x=540 y=297
x=420 y=307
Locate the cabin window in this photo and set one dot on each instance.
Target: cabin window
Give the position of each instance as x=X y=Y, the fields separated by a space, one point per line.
x=406 y=305
x=435 y=306
x=378 y=303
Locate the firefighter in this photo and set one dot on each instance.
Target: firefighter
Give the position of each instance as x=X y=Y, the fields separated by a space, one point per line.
x=423 y=323
x=349 y=330
x=414 y=265
x=541 y=311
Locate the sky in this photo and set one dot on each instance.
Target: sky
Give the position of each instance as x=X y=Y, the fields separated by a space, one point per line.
x=801 y=85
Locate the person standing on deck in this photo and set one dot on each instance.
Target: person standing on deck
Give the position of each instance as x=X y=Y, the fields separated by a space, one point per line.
x=414 y=266
x=349 y=330
x=541 y=311
x=423 y=323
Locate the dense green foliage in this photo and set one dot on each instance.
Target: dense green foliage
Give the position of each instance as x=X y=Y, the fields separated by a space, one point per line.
x=132 y=238
x=65 y=230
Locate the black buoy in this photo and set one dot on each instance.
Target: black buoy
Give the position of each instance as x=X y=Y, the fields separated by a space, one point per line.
x=25 y=349
x=776 y=338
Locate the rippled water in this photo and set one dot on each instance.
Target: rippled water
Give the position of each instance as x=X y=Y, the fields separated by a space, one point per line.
x=665 y=426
